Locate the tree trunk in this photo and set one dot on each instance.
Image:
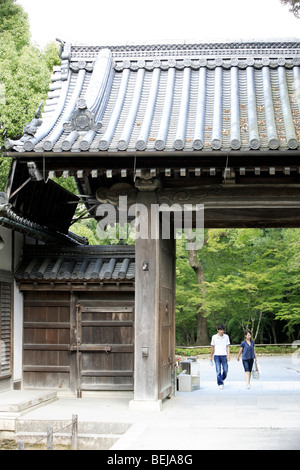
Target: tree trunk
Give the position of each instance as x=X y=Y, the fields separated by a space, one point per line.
x=202 y=331
x=274 y=332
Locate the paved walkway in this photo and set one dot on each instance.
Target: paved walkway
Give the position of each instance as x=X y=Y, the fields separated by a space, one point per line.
x=265 y=417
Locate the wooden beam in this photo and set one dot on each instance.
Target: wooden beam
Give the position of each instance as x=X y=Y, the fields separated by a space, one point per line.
x=105 y=373
x=99 y=323
x=115 y=348
x=47 y=325
x=62 y=286
x=94 y=308
x=53 y=369
x=46 y=347
x=46 y=303
x=102 y=387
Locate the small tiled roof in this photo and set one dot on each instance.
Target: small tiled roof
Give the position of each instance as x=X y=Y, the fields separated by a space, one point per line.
x=189 y=97
x=86 y=264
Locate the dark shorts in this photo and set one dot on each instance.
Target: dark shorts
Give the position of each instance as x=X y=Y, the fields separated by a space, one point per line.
x=248 y=364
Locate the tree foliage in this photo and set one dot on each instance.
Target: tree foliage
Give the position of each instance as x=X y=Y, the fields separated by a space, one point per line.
x=294 y=6
x=14 y=22
x=251 y=281
x=24 y=75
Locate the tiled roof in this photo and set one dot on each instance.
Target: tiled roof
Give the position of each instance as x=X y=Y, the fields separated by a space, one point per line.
x=195 y=98
x=90 y=263
x=10 y=219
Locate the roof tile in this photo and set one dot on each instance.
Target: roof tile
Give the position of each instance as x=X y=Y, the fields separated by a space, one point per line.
x=90 y=263
x=197 y=97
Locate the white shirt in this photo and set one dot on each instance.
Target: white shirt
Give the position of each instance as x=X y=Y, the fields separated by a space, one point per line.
x=220 y=343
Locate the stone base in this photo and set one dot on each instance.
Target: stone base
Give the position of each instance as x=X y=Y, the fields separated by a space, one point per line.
x=145 y=405
x=16 y=403
x=188 y=383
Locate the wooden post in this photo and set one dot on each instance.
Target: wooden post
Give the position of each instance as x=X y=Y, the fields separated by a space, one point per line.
x=49 y=439
x=21 y=445
x=146 y=310
x=74 y=432
x=147 y=379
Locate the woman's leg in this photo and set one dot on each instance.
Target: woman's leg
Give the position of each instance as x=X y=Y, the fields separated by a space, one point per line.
x=248 y=376
x=247 y=372
x=250 y=362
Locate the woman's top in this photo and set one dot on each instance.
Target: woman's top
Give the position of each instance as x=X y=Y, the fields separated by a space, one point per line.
x=248 y=350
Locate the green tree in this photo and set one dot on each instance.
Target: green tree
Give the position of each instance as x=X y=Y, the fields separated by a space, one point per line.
x=294 y=6
x=187 y=298
x=253 y=291
x=14 y=21
x=24 y=75
x=251 y=280
x=289 y=308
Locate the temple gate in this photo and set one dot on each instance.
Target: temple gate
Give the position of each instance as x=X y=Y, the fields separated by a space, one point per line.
x=181 y=125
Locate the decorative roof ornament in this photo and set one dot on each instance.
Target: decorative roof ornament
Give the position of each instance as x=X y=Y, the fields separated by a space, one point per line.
x=64 y=50
x=29 y=130
x=82 y=119
x=3 y=199
x=32 y=127
x=61 y=47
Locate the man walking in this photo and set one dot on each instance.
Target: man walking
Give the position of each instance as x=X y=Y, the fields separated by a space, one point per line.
x=220 y=351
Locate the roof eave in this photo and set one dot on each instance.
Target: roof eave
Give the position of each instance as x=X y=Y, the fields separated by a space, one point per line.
x=42 y=235
x=155 y=153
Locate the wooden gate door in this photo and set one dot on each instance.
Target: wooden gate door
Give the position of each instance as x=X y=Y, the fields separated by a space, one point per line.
x=46 y=340
x=167 y=316
x=104 y=346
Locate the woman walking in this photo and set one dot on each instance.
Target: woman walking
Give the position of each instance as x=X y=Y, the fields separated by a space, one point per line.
x=249 y=356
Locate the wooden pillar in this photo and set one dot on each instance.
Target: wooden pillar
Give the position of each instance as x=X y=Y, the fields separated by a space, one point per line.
x=150 y=360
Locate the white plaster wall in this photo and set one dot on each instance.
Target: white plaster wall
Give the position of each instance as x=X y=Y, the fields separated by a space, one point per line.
x=18 y=334
x=5 y=253
x=18 y=316
x=17 y=321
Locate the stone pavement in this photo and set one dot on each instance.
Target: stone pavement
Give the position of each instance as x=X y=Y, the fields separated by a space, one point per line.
x=265 y=417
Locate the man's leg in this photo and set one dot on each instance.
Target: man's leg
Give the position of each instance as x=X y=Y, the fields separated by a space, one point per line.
x=218 y=369
x=225 y=367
